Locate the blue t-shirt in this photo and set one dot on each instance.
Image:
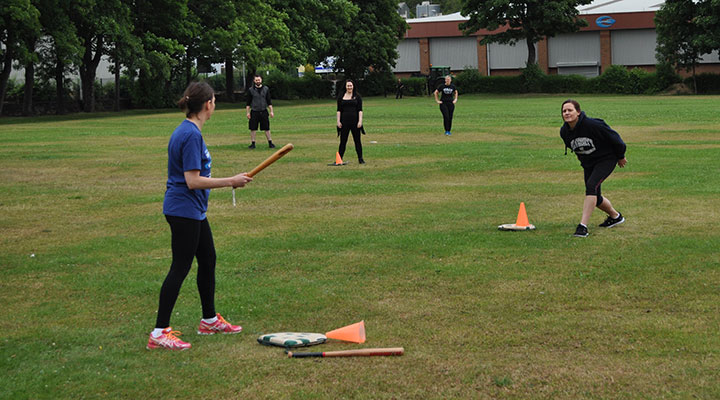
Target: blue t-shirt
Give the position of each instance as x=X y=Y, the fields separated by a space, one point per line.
x=186 y=152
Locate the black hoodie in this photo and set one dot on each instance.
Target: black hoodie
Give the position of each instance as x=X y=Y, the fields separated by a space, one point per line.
x=592 y=140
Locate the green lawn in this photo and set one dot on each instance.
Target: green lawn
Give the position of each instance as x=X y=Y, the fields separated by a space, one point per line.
x=408 y=243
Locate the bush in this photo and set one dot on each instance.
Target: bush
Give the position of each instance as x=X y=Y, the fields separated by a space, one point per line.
x=666 y=76
x=469 y=81
x=415 y=86
x=615 y=79
x=564 y=84
x=532 y=78
x=310 y=86
x=706 y=83
x=377 y=83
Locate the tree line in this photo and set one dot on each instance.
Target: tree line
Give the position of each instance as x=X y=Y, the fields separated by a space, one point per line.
x=159 y=43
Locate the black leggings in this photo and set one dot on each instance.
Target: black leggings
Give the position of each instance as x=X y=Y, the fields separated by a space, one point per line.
x=190 y=239
x=348 y=125
x=447 y=109
x=595 y=175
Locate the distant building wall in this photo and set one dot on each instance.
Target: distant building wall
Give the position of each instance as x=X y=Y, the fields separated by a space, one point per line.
x=610 y=38
x=457 y=53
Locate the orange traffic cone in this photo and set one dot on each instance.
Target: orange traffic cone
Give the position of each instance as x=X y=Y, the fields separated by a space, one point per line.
x=521 y=224
x=522 y=219
x=338 y=160
x=352 y=333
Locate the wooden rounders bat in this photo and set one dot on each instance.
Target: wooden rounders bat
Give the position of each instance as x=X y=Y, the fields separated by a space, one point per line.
x=274 y=157
x=390 y=351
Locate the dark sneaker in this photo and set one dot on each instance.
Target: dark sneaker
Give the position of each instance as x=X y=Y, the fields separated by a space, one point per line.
x=361 y=161
x=252 y=146
x=272 y=146
x=610 y=222
x=581 y=231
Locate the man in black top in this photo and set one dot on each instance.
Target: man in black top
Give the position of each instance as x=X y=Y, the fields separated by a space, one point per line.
x=258 y=102
x=447 y=102
x=399 y=89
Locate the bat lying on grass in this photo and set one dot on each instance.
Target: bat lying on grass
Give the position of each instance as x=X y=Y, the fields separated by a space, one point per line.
x=390 y=351
x=274 y=157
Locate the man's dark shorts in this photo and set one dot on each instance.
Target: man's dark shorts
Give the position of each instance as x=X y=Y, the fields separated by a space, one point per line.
x=259 y=117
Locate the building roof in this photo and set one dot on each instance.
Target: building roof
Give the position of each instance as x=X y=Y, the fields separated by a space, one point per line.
x=596 y=7
x=620 y=6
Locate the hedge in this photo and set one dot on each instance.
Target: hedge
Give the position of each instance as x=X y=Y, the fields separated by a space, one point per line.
x=616 y=79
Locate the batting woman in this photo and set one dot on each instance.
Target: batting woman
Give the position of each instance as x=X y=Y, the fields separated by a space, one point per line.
x=185 y=205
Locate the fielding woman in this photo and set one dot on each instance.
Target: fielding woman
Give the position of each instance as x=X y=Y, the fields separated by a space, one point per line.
x=599 y=148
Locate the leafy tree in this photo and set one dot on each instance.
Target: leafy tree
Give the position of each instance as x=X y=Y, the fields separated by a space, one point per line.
x=531 y=20
x=220 y=32
x=19 y=20
x=311 y=23
x=708 y=20
x=678 y=34
x=370 y=39
x=97 y=23
x=164 y=28
x=60 y=48
x=265 y=42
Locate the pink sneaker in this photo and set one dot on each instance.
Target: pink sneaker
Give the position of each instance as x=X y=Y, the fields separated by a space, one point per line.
x=219 y=326
x=168 y=340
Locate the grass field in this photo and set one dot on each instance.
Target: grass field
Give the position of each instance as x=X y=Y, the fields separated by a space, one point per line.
x=408 y=243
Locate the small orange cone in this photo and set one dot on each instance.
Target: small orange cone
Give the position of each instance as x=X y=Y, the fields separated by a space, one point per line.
x=352 y=333
x=522 y=219
x=338 y=160
x=521 y=224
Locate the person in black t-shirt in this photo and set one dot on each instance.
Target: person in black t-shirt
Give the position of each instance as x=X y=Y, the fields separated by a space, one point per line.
x=350 y=119
x=258 y=103
x=449 y=96
x=599 y=148
x=399 y=89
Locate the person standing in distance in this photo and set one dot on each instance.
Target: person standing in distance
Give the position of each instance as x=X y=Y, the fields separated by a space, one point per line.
x=399 y=87
x=185 y=207
x=448 y=98
x=258 y=103
x=350 y=119
x=599 y=148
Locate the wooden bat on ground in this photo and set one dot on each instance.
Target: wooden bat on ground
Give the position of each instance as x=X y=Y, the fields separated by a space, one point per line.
x=274 y=157
x=390 y=351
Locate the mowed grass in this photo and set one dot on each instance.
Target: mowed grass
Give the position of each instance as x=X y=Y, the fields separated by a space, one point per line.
x=408 y=243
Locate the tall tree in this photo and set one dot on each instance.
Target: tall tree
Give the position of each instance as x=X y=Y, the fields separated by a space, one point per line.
x=370 y=39
x=311 y=24
x=222 y=30
x=19 y=19
x=165 y=28
x=532 y=20
x=708 y=20
x=678 y=34
x=265 y=38
x=96 y=23
x=60 y=47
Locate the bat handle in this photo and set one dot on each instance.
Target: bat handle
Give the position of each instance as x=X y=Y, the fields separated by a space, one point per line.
x=233 y=190
x=301 y=355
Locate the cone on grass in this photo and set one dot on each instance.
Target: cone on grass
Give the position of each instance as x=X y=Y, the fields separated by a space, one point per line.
x=338 y=159
x=354 y=333
x=522 y=219
x=521 y=223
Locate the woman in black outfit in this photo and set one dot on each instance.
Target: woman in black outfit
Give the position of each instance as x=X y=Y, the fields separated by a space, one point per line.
x=448 y=98
x=599 y=148
x=350 y=119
